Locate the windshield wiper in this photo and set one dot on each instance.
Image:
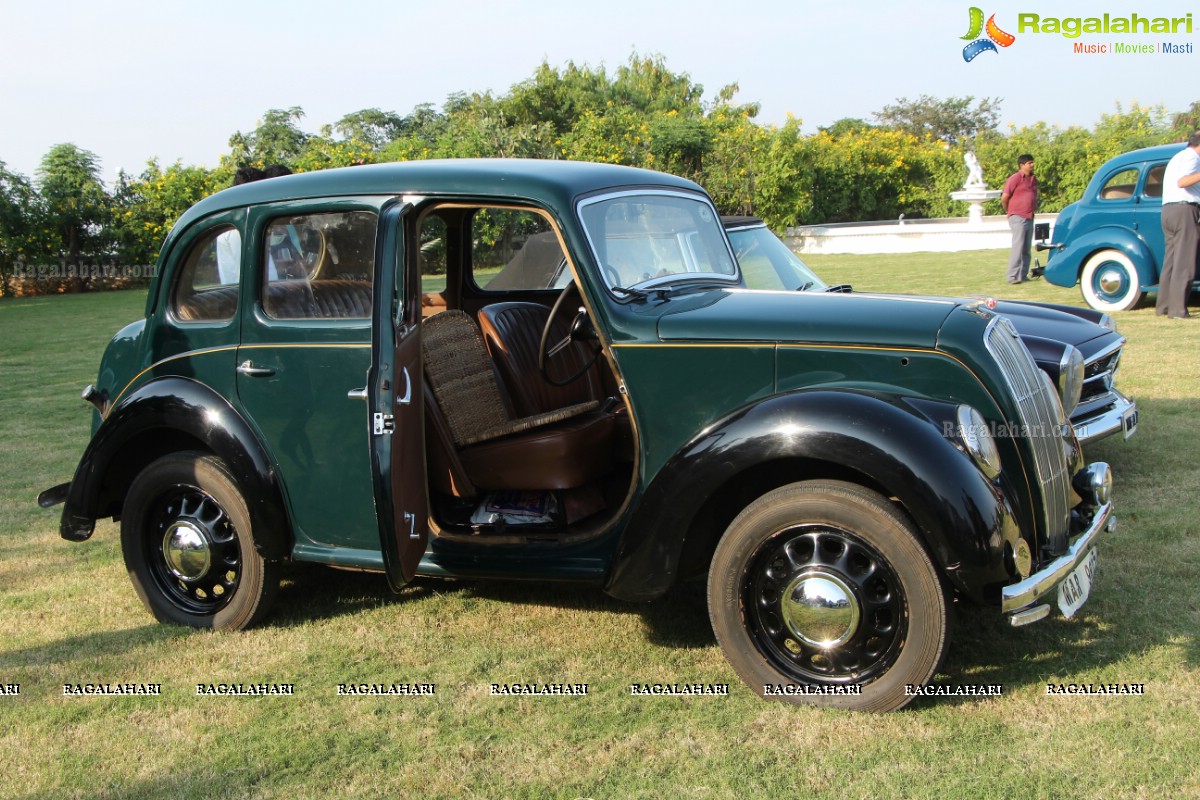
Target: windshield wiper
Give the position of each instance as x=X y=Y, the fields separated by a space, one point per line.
x=632 y=294
x=665 y=291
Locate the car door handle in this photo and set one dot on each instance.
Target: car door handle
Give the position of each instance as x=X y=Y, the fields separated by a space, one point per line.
x=249 y=370
x=406 y=398
x=357 y=394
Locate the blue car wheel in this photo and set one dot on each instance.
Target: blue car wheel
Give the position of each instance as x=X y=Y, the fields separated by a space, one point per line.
x=1110 y=282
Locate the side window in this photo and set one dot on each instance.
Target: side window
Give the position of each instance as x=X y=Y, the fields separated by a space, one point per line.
x=319 y=266
x=514 y=249
x=1121 y=185
x=1154 y=181
x=206 y=289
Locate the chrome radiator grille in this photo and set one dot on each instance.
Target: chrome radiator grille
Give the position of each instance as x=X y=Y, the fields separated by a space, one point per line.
x=1042 y=423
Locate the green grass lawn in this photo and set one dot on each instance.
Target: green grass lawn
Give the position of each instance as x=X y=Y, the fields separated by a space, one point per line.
x=69 y=615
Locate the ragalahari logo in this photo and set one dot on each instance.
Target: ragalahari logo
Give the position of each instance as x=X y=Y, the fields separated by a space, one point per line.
x=979 y=45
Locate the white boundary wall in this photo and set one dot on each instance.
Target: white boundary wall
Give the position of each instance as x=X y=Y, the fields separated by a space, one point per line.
x=905 y=236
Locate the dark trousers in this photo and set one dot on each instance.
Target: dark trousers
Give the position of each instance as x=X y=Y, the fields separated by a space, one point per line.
x=1181 y=227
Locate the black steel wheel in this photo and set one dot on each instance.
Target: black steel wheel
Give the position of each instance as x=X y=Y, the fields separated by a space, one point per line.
x=186 y=538
x=824 y=584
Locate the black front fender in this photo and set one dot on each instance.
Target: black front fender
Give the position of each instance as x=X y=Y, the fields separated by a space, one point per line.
x=160 y=417
x=893 y=444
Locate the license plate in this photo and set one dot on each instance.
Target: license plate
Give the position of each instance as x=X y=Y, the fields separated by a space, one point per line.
x=1073 y=592
x=1129 y=421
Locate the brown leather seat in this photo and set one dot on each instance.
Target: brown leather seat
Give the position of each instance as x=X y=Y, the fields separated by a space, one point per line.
x=513 y=334
x=475 y=430
x=291 y=299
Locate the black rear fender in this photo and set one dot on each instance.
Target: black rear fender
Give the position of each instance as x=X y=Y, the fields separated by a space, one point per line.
x=171 y=415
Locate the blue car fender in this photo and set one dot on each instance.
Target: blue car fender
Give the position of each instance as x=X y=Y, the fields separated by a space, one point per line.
x=1064 y=266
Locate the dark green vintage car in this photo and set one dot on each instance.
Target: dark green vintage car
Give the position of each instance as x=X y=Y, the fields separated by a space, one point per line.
x=365 y=368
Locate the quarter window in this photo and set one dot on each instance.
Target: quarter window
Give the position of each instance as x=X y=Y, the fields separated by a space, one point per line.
x=207 y=288
x=319 y=266
x=1121 y=185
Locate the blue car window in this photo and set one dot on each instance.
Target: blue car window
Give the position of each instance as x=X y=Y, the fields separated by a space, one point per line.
x=1154 y=181
x=1120 y=185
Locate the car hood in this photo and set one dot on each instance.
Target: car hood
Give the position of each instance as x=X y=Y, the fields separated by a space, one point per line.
x=747 y=315
x=861 y=318
x=1074 y=326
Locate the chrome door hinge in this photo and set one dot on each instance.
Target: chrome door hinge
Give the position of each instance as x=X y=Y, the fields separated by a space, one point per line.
x=382 y=424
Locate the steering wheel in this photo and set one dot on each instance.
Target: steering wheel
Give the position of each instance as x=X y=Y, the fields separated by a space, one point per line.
x=546 y=350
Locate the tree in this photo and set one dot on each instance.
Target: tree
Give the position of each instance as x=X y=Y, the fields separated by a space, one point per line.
x=1125 y=130
x=147 y=206
x=847 y=125
x=648 y=86
x=951 y=120
x=75 y=202
x=1185 y=123
x=277 y=140
x=19 y=215
x=370 y=127
x=558 y=98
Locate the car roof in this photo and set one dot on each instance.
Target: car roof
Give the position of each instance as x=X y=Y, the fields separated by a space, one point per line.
x=550 y=182
x=1162 y=151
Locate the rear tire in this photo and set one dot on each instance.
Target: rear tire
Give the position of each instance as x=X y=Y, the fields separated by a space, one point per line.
x=826 y=584
x=189 y=548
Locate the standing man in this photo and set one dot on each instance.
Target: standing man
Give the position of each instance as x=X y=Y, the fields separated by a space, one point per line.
x=1181 y=228
x=1019 y=200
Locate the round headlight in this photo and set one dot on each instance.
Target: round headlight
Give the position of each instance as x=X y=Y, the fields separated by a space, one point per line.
x=1070 y=378
x=976 y=437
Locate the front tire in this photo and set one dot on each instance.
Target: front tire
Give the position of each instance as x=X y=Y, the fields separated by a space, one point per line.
x=825 y=584
x=188 y=545
x=1109 y=282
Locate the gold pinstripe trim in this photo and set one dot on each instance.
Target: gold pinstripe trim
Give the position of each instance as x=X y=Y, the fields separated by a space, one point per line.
x=210 y=350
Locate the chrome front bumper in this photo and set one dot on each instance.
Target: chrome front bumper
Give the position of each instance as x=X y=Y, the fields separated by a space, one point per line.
x=1120 y=416
x=1021 y=602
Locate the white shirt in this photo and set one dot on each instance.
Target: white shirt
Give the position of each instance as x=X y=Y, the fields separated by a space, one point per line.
x=1182 y=164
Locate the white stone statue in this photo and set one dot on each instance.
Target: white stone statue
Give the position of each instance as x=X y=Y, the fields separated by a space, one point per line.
x=974 y=192
x=974 y=171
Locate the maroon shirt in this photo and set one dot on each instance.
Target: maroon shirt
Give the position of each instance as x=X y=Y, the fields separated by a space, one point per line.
x=1022 y=194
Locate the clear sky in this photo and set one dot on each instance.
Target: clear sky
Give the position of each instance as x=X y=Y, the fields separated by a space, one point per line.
x=132 y=80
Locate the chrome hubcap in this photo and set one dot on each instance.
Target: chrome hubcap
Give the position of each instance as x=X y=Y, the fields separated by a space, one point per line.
x=823 y=605
x=186 y=550
x=820 y=609
x=1111 y=281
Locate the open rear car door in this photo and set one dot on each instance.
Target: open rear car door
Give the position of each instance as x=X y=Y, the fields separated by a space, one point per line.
x=394 y=398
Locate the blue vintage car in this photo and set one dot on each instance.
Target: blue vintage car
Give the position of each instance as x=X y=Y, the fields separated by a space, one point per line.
x=1110 y=241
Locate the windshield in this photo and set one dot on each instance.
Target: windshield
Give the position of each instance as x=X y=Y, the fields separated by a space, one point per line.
x=767 y=263
x=646 y=239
